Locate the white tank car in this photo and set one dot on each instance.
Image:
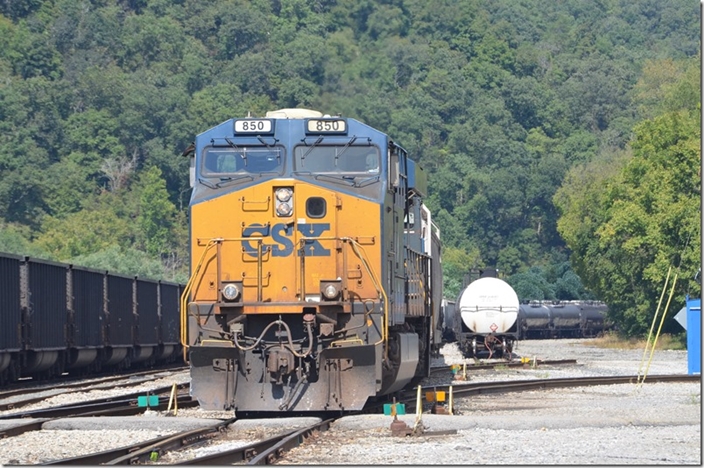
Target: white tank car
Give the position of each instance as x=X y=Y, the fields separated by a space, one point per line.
x=489 y=305
x=488 y=308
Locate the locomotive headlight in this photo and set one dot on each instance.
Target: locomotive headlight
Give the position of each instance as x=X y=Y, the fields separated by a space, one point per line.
x=284 y=201
x=330 y=289
x=283 y=209
x=284 y=194
x=230 y=292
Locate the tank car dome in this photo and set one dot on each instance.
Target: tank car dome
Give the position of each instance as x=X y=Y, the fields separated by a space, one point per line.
x=489 y=305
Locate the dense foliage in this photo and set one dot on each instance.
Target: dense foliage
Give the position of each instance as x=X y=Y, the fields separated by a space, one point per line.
x=501 y=101
x=631 y=217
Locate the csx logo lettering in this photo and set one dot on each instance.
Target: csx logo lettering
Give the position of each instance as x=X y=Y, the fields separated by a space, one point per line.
x=283 y=244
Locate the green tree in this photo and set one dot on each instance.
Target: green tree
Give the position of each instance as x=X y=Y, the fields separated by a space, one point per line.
x=82 y=233
x=647 y=220
x=532 y=285
x=127 y=261
x=157 y=214
x=455 y=263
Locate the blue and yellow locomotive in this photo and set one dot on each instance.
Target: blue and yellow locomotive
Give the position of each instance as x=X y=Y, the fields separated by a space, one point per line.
x=315 y=267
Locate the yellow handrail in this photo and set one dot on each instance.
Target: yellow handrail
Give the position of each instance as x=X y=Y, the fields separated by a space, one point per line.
x=186 y=293
x=380 y=289
x=356 y=248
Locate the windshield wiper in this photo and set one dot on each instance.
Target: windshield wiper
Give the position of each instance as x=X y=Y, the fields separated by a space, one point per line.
x=367 y=181
x=231 y=143
x=225 y=180
x=345 y=179
x=206 y=183
x=276 y=140
x=349 y=143
x=316 y=143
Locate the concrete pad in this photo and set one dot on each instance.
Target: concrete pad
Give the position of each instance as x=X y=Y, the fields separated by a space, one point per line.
x=10 y=423
x=152 y=423
x=289 y=423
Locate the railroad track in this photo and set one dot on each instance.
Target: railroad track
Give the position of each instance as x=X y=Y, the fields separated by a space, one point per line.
x=469 y=389
x=264 y=452
x=502 y=365
x=83 y=385
x=71 y=381
x=124 y=405
x=269 y=450
x=261 y=452
x=144 y=451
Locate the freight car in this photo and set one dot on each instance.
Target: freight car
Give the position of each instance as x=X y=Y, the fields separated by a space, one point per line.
x=316 y=281
x=562 y=319
x=57 y=318
x=534 y=321
x=484 y=321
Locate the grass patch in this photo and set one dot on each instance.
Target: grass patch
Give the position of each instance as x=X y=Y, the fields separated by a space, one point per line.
x=614 y=341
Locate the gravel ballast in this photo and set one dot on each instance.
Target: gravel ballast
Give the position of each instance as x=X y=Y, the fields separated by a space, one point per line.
x=656 y=423
x=650 y=424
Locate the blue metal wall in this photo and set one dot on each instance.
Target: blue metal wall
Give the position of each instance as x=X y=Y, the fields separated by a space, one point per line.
x=694 y=336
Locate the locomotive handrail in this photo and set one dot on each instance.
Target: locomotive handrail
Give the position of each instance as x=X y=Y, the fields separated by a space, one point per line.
x=356 y=246
x=380 y=289
x=185 y=294
x=191 y=281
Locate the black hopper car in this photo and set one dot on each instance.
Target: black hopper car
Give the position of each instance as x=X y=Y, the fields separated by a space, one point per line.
x=57 y=318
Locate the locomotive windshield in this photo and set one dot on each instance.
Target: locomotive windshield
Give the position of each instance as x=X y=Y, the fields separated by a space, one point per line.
x=246 y=159
x=358 y=160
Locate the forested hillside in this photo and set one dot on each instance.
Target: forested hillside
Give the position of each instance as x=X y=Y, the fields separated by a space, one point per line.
x=561 y=137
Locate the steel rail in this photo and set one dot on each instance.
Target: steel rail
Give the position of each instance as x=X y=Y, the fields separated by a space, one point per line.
x=471 y=367
x=33 y=387
x=507 y=386
x=93 y=385
x=67 y=382
x=263 y=452
x=142 y=451
x=123 y=403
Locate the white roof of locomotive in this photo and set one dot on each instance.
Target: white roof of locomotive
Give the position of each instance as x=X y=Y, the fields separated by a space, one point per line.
x=293 y=114
x=489 y=305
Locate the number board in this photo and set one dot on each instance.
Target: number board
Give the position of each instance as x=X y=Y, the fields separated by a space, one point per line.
x=326 y=126
x=254 y=126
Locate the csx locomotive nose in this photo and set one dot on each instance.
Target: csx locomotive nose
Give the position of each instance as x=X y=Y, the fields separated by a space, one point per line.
x=309 y=291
